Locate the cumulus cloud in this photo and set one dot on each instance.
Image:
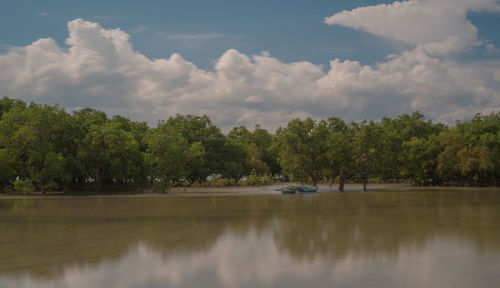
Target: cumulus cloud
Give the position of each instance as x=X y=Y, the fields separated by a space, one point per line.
x=419 y=21
x=101 y=69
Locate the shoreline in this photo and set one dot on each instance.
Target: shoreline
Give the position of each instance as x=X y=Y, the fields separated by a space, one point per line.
x=241 y=190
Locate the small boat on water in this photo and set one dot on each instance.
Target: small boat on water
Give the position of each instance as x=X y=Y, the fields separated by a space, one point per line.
x=309 y=189
x=298 y=189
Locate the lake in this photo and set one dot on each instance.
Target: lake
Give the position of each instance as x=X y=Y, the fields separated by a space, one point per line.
x=354 y=239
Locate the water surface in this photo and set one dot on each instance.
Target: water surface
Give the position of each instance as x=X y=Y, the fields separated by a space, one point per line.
x=354 y=239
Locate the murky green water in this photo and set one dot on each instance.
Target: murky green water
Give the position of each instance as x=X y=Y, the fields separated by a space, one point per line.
x=355 y=239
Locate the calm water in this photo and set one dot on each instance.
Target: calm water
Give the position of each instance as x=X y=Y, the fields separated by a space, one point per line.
x=353 y=239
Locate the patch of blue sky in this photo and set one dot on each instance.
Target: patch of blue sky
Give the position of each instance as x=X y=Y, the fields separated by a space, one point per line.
x=290 y=30
x=201 y=31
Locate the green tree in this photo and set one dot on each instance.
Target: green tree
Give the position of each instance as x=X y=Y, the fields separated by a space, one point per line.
x=394 y=133
x=421 y=161
x=169 y=158
x=198 y=129
x=264 y=140
x=109 y=154
x=483 y=132
x=35 y=136
x=368 y=150
x=254 y=160
x=7 y=172
x=303 y=149
x=475 y=163
x=240 y=135
x=5 y=105
x=256 y=145
x=233 y=161
x=340 y=143
x=449 y=166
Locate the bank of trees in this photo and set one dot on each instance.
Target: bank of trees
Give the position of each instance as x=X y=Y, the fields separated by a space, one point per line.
x=44 y=147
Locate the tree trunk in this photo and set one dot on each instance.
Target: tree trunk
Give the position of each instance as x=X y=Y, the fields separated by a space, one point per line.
x=42 y=189
x=314 y=180
x=365 y=180
x=236 y=179
x=341 y=182
x=99 y=185
x=100 y=179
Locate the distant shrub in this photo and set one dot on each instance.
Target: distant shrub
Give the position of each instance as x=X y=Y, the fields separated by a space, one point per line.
x=52 y=186
x=223 y=182
x=375 y=180
x=161 y=186
x=196 y=184
x=253 y=179
x=23 y=186
x=265 y=180
x=212 y=180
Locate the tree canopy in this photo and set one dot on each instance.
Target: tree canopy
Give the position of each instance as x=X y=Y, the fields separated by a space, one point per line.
x=51 y=149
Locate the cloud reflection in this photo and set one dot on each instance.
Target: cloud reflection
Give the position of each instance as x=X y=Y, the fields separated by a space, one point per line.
x=253 y=260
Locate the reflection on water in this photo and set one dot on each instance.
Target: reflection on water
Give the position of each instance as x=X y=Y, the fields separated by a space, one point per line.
x=377 y=239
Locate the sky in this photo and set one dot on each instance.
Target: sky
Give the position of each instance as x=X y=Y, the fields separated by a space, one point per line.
x=255 y=62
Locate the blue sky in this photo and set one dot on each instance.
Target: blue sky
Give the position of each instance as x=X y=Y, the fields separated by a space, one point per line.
x=203 y=32
x=291 y=30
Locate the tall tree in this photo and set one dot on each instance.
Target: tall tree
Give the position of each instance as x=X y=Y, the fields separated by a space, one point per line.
x=259 y=157
x=7 y=172
x=5 y=105
x=110 y=154
x=170 y=158
x=421 y=161
x=368 y=150
x=198 y=129
x=233 y=161
x=303 y=149
x=35 y=136
x=340 y=143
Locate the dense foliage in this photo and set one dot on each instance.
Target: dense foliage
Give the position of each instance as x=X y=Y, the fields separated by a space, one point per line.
x=44 y=147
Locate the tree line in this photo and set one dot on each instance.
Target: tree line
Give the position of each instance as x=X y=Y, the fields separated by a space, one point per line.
x=43 y=147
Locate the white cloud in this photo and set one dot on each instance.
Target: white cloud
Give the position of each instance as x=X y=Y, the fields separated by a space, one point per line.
x=101 y=69
x=419 y=21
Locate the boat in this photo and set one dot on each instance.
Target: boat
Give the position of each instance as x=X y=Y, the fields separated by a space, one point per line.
x=288 y=191
x=309 y=189
x=298 y=189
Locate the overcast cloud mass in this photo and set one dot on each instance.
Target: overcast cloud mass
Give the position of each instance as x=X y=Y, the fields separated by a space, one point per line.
x=101 y=69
